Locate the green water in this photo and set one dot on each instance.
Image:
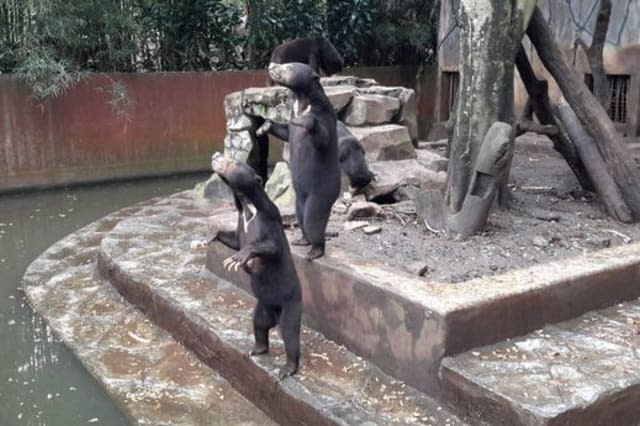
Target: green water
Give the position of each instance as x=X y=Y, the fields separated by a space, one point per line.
x=41 y=383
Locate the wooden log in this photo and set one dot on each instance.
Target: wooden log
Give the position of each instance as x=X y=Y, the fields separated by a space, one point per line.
x=617 y=157
x=606 y=188
x=541 y=129
x=539 y=97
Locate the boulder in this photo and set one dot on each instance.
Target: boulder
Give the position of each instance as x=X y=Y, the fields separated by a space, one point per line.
x=347 y=80
x=407 y=114
x=279 y=188
x=238 y=145
x=390 y=175
x=370 y=109
x=213 y=189
x=361 y=209
x=432 y=160
x=339 y=96
x=384 y=143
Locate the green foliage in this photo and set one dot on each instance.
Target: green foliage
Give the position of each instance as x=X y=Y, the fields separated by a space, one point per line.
x=50 y=43
x=406 y=32
x=350 y=28
x=46 y=76
x=190 y=35
x=272 y=22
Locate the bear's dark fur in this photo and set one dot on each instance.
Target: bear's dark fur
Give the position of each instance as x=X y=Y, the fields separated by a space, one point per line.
x=316 y=52
x=265 y=255
x=352 y=159
x=312 y=134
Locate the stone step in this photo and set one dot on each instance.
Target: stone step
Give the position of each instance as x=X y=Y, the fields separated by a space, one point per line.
x=406 y=324
x=148 y=259
x=153 y=379
x=585 y=371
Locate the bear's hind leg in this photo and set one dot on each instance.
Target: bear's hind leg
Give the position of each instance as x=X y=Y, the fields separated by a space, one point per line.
x=316 y=217
x=263 y=321
x=290 y=329
x=302 y=241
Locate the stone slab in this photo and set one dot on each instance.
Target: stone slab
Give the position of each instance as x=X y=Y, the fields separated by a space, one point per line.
x=385 y=142
x=153 y=379
x=370 y=109
x=580 y=372
x=148 y=259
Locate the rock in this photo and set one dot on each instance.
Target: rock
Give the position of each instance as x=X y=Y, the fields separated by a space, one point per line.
x=546 y=215
x=347 y=80
x=339 y=96
x=540 y=241
x=238 y=145
x=441 y=143
x=273 y=102
x=432 y=160
x=213 y=189
x=339 y=207
x=407 y=114
x=331 y=233
x=353 y=225
x=419 y=268
x=404 y=193
x=372 y=229
x=370 y=109
x=385 y=143
x=406 y=207
x=288 y=215
x=279 y=187
x=390 y=175
x=363 y=209
x=599 y=242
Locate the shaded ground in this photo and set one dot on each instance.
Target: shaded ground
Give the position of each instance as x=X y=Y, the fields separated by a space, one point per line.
x=550 y=219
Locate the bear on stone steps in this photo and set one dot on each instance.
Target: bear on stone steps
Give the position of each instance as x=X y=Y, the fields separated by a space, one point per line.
x=265 y=255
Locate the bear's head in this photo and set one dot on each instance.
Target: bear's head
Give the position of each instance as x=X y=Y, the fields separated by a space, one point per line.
x=241 y=178
x=296 y=76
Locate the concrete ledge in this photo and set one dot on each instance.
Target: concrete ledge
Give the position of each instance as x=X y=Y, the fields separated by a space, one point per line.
x=406 y=325
x=153 y=379
x=580 y=372
x=147 y=258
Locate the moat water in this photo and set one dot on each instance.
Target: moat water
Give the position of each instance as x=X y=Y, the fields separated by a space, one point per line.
x=41 y=382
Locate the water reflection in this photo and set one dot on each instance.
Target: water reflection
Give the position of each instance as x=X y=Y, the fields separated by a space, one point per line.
x=41 y=382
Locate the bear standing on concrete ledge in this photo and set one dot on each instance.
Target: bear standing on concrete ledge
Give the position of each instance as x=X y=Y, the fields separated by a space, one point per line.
x=264 y=254
x=313 y=143
x=317 y=52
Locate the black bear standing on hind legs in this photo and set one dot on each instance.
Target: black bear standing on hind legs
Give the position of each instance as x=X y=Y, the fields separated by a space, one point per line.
x=316 y=52
x=265 y=255
x=313 y=147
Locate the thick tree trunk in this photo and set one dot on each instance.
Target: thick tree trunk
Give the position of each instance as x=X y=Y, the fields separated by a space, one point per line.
x=539 y=97
x=593 y=116
x=605 y=186
x=485 y=93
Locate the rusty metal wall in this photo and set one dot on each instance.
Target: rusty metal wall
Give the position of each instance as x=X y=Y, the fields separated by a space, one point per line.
x=173 y=123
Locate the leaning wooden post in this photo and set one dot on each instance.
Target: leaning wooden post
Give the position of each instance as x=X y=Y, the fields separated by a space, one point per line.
x=589 y=111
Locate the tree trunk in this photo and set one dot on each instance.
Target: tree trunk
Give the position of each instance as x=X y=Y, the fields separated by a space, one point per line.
x=594 y=54
x=485 y=93
x=539 y=97
x=605 y=186
x=481 y=146
x=593 y=116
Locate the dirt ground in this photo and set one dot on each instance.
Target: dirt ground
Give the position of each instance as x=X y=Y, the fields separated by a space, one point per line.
x=550 y=219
